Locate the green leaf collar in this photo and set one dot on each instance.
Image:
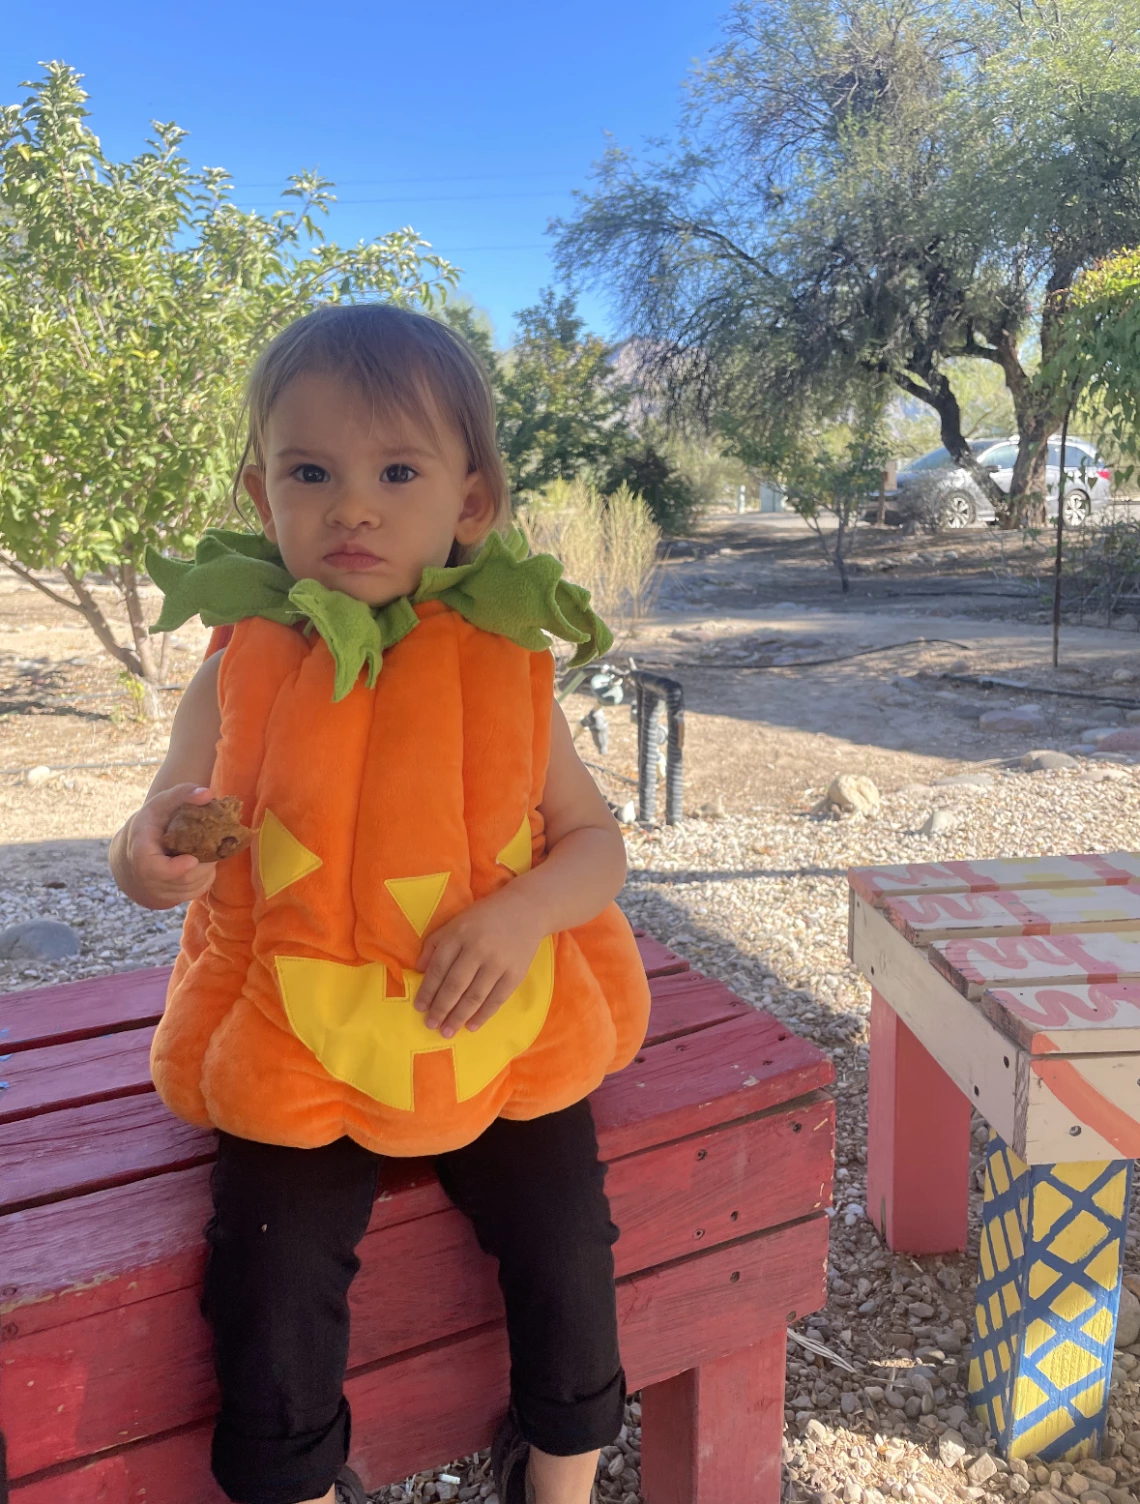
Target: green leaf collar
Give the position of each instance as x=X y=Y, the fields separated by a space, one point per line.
x=503 y=589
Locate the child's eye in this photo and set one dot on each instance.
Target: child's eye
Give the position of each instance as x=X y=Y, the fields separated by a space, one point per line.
x=399 y=474
x=311 y=475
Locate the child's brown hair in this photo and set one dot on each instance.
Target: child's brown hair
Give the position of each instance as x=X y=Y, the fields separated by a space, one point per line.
x=397 y=359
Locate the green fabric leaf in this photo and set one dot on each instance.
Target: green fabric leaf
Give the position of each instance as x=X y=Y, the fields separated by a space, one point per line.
x=503 y=589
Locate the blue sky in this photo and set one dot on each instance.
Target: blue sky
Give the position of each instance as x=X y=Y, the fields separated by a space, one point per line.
x=470 y=122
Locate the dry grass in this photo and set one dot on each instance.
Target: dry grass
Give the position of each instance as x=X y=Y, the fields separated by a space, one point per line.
x=607 y=543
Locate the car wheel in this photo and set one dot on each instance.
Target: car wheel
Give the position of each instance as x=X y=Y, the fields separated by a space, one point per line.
x=1077 y=508
x=956 y=510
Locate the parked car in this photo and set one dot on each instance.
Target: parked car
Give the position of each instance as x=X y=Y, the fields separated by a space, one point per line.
x=952 y=497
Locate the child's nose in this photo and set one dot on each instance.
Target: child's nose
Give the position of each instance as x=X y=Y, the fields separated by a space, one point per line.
x=351 y=506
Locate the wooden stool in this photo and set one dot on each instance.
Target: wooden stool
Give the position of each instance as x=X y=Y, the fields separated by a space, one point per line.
x=1012 y=987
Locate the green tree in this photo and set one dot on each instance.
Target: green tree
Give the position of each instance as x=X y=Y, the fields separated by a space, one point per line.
x=877 y=188
x=829 y=464
x=132 y=298
x=1098 y=361
x=561 y=407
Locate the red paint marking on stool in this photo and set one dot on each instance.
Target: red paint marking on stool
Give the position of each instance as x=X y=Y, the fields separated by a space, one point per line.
x=1087 y=1104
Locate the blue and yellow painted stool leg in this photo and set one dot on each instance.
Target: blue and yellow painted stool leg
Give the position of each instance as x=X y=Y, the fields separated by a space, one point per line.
x=1047 y=1297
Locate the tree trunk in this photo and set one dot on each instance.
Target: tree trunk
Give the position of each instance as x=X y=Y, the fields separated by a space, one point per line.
x=1025 y=504
x=141 y=664
x=128 y=583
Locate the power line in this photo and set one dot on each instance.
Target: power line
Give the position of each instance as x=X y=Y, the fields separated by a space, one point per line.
x=477 y=177
x=435 y=198
x=459 y=250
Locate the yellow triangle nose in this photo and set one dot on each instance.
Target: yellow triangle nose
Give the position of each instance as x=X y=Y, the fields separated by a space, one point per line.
x=281 y=858
x=418 y=897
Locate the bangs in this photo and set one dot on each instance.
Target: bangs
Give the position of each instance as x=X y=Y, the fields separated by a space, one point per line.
x=409 y=368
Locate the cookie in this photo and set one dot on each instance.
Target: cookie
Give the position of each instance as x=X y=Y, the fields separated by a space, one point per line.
x=211 y=832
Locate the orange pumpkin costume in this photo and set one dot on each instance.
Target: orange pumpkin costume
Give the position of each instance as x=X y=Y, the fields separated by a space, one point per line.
x=378 y=817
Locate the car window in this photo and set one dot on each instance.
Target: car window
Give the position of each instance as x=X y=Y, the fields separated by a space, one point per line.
x=1075 y=456
x=935 y=460
x=1001 y=455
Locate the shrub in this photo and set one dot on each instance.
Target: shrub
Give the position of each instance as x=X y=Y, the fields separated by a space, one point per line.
x=669 y=494
x=1101 y=567
x=607 y=543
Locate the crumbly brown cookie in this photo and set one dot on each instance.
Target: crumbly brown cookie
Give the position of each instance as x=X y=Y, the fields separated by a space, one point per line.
x=211 y=832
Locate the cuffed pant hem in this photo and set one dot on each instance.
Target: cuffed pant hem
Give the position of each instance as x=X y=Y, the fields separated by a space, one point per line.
x=302 y=1467
x=567 y=1430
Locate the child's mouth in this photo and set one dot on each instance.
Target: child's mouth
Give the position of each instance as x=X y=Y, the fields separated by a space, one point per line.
x=351 y=559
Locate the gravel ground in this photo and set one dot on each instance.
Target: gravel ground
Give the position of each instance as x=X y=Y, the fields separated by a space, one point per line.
x=760 y=901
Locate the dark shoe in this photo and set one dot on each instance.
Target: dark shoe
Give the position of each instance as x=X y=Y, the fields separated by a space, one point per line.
x=509 y=1453
x=349 y=1489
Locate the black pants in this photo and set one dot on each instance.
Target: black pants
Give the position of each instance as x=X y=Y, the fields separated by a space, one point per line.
x=281 y=1259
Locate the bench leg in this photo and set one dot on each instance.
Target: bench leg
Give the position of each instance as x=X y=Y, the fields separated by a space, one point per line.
x=715 y=1433
x=918 y=1142
x=1047 y=1298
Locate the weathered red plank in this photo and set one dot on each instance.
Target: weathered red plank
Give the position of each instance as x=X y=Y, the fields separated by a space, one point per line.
x=700 y=1080
x=706 y=1078
x=714 y=1432
x=681 y=1002
x=79 y=1387
x=77 y=1010
x=658 y=959
x=81 y=1149
x=69 y=1075
x=415 y=1412
x=109 y=1065
x=69 y=1259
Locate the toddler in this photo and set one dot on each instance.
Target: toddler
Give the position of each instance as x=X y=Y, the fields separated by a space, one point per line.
x=419 y=952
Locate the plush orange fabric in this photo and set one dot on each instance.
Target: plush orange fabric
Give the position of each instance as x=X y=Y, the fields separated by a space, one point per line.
x=289 y=1017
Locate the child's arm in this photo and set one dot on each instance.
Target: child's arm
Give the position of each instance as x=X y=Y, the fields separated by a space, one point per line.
x=138 y=863
x=473 y=963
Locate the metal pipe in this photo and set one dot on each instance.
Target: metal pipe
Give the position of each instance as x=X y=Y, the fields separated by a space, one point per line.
x=653 y=691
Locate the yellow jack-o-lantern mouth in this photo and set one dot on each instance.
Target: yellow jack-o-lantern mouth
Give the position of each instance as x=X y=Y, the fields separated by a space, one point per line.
x=363 y=1036
x=369 y=1039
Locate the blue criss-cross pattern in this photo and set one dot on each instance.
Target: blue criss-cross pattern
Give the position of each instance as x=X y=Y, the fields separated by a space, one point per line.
x=1046 y=1302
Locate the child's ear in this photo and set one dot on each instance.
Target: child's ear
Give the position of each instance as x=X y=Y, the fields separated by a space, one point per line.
x=477 y=514
x=253 y=479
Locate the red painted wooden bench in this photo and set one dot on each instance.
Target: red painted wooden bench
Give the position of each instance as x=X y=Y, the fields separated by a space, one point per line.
x=720 y=1144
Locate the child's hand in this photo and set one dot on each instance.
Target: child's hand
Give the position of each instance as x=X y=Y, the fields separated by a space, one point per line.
x=472 y=964
x=143 y=870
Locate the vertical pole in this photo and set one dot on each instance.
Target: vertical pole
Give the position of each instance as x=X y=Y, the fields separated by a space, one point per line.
x=1047 y=1298
x=648 y=715
x=918 y=1142
x=741 y=494
x=1060 y=535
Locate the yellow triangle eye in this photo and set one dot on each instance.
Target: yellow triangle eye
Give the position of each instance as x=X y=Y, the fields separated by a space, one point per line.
x=516 y=854
x=281 y=858
x=418 y=897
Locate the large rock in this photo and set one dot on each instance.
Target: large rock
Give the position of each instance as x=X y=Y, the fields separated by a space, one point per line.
x=38 y=940
x=1042 y=757
x=1013 y=718
x=853 y=794
x=939 y=821
x=966 y=781
x=1127 y=739
x=1128 y=1319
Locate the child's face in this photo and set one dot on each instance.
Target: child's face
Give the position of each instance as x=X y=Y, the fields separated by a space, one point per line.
x=361 y=504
